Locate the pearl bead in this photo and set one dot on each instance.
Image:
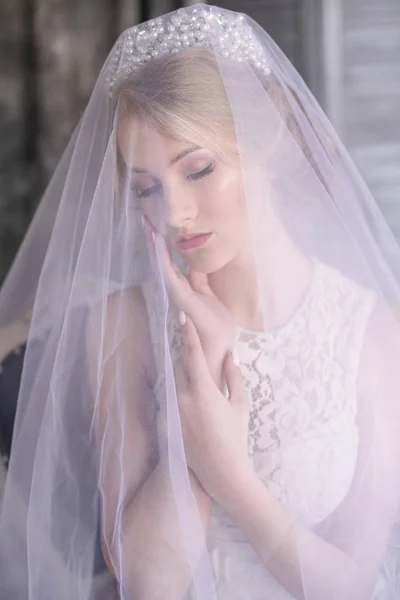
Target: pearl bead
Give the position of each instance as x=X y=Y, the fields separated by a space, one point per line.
x=232 y=37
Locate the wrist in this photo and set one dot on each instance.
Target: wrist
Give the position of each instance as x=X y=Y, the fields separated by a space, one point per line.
x=241 y=479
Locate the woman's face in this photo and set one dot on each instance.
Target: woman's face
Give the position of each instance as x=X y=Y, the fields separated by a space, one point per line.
x=196 y=201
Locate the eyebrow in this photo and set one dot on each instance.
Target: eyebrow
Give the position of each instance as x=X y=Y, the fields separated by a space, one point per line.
x=176 y=159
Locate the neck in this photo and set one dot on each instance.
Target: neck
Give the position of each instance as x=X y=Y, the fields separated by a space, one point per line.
x=263 y=293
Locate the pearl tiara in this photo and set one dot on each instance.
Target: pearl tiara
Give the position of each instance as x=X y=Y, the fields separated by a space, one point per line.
x=202 y=26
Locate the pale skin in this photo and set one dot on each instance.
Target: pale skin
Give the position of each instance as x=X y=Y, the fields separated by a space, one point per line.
x=201 y=194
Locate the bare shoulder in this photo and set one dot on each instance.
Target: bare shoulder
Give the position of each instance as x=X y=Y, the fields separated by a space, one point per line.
x=128 y=303
x=379 y=372
x=119 y=326
x=381 y=350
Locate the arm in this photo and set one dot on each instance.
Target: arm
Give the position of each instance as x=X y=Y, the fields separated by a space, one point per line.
x=345 y=563
x=141 y=539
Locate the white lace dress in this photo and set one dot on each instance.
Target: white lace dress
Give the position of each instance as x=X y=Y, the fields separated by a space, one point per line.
x=303 y=436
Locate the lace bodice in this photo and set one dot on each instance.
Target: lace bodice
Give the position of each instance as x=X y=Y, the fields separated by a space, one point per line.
x=301 y=381
x=303 y=438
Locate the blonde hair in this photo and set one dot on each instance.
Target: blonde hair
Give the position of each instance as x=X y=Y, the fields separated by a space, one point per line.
x=182 y=96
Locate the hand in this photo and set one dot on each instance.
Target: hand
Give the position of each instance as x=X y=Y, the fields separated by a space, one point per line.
x=214 y=427
x=213 y=321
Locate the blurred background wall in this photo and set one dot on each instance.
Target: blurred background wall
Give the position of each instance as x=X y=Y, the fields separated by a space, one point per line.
x=348 y=51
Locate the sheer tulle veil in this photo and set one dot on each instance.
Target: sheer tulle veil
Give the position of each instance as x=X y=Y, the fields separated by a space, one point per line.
x=105 y=490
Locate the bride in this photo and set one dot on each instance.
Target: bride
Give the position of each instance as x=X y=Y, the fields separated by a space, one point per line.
x=214 y=398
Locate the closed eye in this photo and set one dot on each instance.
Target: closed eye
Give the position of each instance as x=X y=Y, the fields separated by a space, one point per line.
x=200 y=174
x=157 y=190
x=150 y=191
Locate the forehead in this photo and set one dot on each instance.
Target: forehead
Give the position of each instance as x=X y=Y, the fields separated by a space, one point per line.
x=143 y=147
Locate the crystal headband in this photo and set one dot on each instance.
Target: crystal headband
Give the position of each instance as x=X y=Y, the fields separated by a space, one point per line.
x=227 y=34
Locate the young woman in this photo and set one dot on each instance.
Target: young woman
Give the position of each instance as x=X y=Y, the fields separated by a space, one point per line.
x=216 y=396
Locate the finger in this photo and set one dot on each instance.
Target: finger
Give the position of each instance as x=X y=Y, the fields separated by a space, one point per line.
x=199 y=282
x=162 y=254
x=155 y=241
x=195 y=362
x=148 y=230
x=234 y=381
x=181 y=378
x=177 y=285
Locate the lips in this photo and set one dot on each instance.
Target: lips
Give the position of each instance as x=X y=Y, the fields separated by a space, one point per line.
x=187 y=242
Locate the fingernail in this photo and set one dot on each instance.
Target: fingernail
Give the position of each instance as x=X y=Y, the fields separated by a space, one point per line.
x=182 y=318
x=235 y=358
x=157 y=237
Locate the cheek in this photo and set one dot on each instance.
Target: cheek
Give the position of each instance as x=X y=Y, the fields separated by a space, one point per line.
x=154 y=210
x=225 y=199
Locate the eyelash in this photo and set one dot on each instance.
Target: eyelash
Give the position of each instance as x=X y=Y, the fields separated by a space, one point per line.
x=155 y=189
x=203 y=173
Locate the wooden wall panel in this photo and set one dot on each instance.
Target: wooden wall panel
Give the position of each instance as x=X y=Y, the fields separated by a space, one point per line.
x=371 y=97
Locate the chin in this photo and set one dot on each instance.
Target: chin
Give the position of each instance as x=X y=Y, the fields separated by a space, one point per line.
x=207 y=262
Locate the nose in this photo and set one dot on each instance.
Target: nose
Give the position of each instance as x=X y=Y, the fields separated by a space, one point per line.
x=181 y=205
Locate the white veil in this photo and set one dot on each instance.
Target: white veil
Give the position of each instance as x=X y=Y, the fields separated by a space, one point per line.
x=101 y=472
